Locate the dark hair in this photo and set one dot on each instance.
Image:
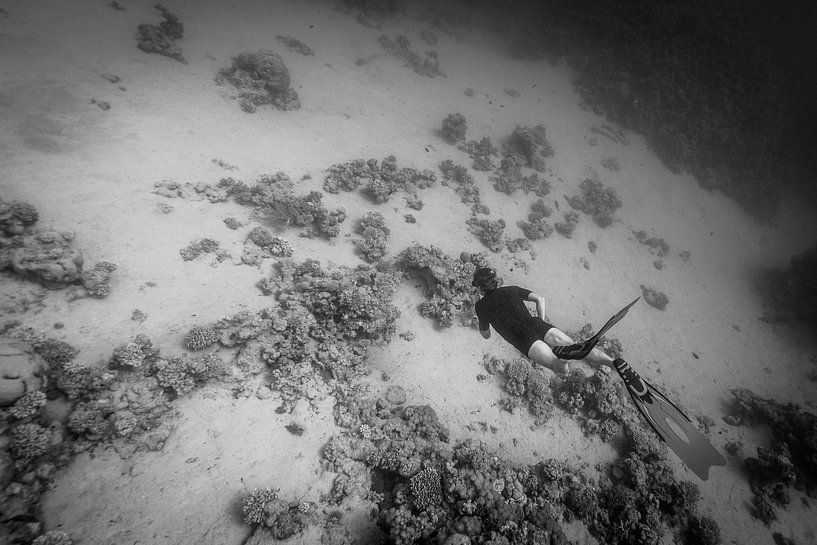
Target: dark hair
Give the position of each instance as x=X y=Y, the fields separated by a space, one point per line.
x=485 y=279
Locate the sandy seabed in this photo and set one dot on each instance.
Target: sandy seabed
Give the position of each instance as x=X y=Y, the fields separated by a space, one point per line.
x=93 y=171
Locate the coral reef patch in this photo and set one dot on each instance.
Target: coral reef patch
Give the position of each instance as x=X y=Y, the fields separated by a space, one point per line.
x=374 y=242
x=481 y=153
x=789 y=462
x=161 y=38
x=453 y=128
x=425 y=65
x=537 y=227
x=531 y=145
x=445 y=282
x=260 y=77
x=598 y=201
x=379 y=181
x=274 y=200
x=654 y=298
x=47 y=256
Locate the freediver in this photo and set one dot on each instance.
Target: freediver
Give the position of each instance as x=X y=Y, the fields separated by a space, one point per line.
x=504 y=309
x=543 y=343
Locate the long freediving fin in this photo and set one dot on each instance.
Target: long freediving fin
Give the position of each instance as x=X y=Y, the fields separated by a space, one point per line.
x=580 y=351
x=670 y=423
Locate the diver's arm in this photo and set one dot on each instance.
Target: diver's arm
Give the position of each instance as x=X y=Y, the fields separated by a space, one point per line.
x=540 y=304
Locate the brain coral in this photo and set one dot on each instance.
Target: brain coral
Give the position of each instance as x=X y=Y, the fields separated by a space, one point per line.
x=426 y=489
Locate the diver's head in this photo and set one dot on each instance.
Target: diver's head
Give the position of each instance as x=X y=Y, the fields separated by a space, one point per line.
x=485 y=279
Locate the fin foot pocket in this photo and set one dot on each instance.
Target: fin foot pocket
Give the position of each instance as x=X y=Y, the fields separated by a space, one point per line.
x=631 y=378
x=577 y=351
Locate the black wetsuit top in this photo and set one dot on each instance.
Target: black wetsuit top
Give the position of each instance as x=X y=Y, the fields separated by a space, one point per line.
x=505 y=310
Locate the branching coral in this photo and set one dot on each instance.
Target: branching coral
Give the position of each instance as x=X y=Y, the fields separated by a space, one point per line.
x=80 y=381
x=531 y=384
x=384 y=180
x=129 y=355
x=537 y=227
x=269 y=244
x=274 y=200
x=93 y=419
x=568 y=225
x=350 y=175
x=583 y=500
x=199 y=247
x=255 y=505
x=97 y=281
x=464 y=184
x=508 y=177
x=375 y=236
x=28 y=405
x=481 y=153
x=29 y=441
x=183 y=374
x=491 y=233
x=536 y=185
x=454 y=127
x=596 y=200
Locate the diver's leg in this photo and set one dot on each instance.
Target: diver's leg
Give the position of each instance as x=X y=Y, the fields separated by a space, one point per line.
x=541 y=353
x=557 y=337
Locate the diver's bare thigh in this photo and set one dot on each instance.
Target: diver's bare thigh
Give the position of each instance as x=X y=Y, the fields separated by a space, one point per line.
x=541 y=353
x=557 y=337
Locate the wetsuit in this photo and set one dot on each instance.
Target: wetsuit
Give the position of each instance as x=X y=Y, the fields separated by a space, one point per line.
x=505 y=310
